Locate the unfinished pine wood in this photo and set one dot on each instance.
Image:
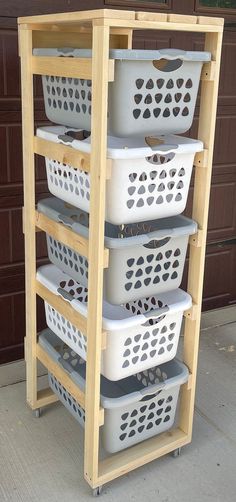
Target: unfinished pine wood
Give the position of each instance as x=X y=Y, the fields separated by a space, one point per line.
x=62 y=153
x=55 y=38
x=45 y=397
x=180 y=18
x=29 y=206
x=67 y=67
x=202 y=185
x=65 y=379
x=64 y=234
x=140 y=454
x=201 y=158
x=77 y=17
x=151 y=16
x=64 y=35
x=159 y=25
x=114 y=28
x=215 y=21
x=63 y=307
x=208 y=71
x=96 y=244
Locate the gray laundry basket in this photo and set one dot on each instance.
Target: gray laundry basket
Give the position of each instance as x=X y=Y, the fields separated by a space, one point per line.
x=149 y=176
x=145 y=258
x=135 y=408
x=153 y=91
x=140 y=334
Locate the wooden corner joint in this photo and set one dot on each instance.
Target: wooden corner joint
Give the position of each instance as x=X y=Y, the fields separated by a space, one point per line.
x=196 y=240
x=201 y=158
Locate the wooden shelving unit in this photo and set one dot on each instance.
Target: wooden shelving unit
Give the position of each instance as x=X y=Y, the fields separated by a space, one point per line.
x=101 y=30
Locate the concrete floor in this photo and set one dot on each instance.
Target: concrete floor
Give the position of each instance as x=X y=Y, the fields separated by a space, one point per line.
x=41 y=459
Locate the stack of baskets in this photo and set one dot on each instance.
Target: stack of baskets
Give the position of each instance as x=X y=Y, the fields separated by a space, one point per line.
x=152 y=98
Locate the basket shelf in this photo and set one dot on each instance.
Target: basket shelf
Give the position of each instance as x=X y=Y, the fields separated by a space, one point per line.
x=103 y=31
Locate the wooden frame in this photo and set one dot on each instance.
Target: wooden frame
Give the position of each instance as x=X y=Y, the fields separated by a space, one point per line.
x=101 y=29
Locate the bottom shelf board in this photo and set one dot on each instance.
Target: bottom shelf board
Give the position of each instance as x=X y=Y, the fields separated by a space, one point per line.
x=140 y=454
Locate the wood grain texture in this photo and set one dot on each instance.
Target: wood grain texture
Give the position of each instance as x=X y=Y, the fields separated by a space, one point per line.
x=140 y=454
x=62 y=153
x=96 y=244
x=75 y=17
x=29 y=205
x=201 y=196
x=67 y=67
x=63 y=307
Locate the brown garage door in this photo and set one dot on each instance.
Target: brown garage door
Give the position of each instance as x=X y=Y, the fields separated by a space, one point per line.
x=220 y=287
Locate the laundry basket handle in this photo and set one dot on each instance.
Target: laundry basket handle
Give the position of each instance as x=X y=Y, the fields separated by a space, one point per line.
x=65 y=220
x=67 y=296
x=158 y=243
x=154 y=314
x=150 y=395
x=157 y=144
x=65 y=138
x=65 y=51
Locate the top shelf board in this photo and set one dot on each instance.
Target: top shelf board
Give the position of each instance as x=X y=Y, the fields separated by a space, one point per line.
x=123 y=19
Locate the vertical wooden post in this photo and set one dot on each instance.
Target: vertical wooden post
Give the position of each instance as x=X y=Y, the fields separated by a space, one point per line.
x=29 y=212
x=202 y=186
x=100 y=57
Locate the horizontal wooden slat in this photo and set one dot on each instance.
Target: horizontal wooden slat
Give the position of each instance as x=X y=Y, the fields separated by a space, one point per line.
x=62 y=153
x=140 y=454
x=66 y=155
x=65 y=379
x=78 y=16
x=45 y=397
x=160 y=25
x=67 y=36
x=179 y=18
x=63 y=67
x=64 y=234
x=67 y=67
x=215 y=21
x=151 y=16
x=63 y=307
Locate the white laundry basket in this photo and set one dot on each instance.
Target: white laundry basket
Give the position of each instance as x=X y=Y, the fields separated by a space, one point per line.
x=145 y=258
x=140 y=334
x=146 y=182
x=135 y=408
x=153 y=91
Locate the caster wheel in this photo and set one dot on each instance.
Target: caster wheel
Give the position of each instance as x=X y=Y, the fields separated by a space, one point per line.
x=97 y=491
x=176 y=453
x=37 y=413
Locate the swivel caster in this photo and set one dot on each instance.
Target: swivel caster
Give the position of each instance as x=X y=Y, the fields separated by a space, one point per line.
x=176 y=453
x=97 y=491
x=37 y=413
